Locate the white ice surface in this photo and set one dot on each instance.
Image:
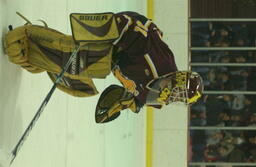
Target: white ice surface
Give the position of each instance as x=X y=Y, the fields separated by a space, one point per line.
x=66 y=134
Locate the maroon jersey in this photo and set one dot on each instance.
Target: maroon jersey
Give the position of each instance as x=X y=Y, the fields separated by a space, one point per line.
x=143 y=56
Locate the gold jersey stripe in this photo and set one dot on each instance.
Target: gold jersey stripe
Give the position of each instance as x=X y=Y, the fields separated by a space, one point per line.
x=151 y=65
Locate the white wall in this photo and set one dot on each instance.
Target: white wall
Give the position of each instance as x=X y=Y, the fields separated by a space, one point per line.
x=66 y=134
x=170 y=123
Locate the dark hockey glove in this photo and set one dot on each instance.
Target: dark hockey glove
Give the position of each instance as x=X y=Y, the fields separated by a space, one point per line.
x=112 y=100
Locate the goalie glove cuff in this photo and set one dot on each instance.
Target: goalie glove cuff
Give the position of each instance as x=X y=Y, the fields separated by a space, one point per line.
x=113 y=100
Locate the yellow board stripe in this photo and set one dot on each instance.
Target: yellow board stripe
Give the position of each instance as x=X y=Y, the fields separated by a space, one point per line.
x=149 y=124
x=150 y=9
x=149 y=137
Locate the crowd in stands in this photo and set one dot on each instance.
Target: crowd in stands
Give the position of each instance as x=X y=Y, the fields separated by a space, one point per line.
x=226 y=77
x=223 y=34
x=223 y=146
x=224 y=110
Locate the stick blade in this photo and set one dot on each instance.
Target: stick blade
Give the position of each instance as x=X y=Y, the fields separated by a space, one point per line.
x=5 y=158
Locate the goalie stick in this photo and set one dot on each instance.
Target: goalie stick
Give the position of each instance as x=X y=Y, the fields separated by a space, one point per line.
x=42 y=106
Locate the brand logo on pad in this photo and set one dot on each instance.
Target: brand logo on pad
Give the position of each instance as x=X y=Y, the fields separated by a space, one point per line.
x=92 y=18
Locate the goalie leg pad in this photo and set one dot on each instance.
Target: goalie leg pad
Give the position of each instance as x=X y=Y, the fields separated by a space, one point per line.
x=37 y=48
x=16 y=47
x=78 y=88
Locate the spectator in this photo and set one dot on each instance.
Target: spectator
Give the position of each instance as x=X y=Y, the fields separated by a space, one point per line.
x=198 y=143
x=218 y=108
x=198 y=114
x=213 y=137
x=200 y=34
x=237 y=155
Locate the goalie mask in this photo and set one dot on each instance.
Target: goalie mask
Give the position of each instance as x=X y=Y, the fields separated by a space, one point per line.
x=180 y=86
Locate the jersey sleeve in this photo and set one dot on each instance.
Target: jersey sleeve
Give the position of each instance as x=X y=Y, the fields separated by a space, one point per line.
x=132 y=26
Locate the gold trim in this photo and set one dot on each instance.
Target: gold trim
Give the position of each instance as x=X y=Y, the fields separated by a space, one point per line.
x=151 y=65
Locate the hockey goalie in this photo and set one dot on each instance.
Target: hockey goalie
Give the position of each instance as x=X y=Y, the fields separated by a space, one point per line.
x=127 y=44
